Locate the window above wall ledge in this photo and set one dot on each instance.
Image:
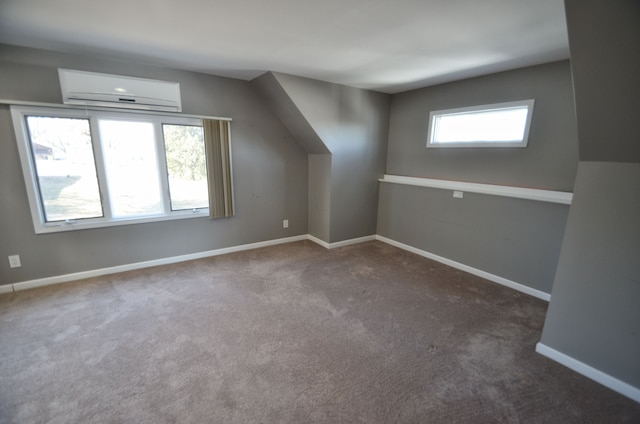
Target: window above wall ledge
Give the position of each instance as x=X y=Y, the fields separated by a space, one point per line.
x=493 y=125
x=91 y=168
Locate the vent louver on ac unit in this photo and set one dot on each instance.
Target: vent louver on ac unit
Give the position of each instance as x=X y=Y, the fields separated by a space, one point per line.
x=94 y=89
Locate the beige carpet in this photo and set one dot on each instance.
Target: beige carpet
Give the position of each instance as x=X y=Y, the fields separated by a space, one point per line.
x=288 y=334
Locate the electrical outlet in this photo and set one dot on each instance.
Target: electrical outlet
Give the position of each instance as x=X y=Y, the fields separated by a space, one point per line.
x=458 y=194
x=285 y=223
x=14 y=261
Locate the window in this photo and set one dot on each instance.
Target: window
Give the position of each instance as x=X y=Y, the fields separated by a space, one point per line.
x=496 y=125
x=64 y=163
x=187 y=166
x=90 y=168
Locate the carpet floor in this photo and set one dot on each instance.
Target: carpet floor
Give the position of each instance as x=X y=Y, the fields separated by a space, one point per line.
x=288 y=334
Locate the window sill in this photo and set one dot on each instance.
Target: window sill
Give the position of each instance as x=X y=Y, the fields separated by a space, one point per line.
x=94 y=223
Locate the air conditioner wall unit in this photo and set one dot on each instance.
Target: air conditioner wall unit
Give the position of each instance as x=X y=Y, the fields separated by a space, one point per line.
x=95 y=89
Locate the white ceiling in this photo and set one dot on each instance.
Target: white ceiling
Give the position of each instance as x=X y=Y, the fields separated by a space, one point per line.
x=384 y=45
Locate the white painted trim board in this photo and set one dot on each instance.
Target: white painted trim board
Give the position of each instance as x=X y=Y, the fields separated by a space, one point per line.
x=24 y=285
x=40 y=282
x=561 y=197
x=588 y=371
x=466 y=268
x=341 y=243
x=7 y=288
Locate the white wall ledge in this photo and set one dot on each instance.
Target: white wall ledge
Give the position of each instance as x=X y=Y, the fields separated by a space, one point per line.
x=561 y=197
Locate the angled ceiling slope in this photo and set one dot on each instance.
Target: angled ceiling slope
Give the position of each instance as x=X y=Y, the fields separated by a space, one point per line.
x=283 y=105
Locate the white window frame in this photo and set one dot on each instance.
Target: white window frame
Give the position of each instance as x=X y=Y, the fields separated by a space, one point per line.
x=435 y=115
x=19 y=114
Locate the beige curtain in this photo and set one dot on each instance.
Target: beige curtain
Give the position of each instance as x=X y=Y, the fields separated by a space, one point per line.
x=218 y=151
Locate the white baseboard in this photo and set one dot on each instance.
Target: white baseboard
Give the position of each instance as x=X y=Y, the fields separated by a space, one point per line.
x=588 y=371
x=341 y=243
x=24 y=285
x=349 y=242
x=47 y=281
x=317 y=241
x=7 y=288
x=466 y=268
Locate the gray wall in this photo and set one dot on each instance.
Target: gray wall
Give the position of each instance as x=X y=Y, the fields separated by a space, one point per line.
x=289 y=114
x=353 y=124
x=548 y=162
x=270 y=174
x=604 y=39
x=515 y=239
x=594 y=315
x=320 y=196
x=512 y=238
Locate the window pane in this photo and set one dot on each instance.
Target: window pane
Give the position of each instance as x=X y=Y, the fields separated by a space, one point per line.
x=494 y=125
x=64 y=162
x=186 y=164
x=132 y=168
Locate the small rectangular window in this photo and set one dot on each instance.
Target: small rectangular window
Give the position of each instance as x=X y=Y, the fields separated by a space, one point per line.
x=495 y=125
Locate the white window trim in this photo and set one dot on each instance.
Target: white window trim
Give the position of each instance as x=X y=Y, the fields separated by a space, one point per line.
x=18 y=114
x=481 y=108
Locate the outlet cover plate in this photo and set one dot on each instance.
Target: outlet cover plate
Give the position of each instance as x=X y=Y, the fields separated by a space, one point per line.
x=14 y=261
